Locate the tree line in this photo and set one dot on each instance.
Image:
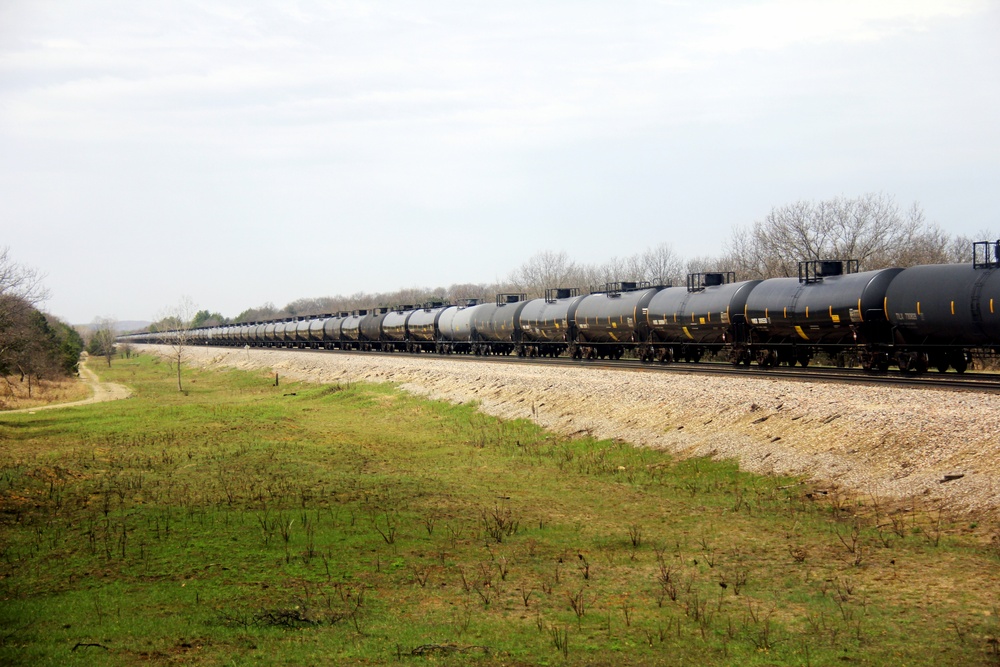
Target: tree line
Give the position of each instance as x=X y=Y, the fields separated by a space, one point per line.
x=34 y=345
x=872 y=228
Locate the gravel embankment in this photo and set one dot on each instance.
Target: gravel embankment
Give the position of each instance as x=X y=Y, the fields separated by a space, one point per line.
x=893 y=443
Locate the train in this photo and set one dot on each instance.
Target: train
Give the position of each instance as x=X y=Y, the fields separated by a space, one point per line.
x=914 y=319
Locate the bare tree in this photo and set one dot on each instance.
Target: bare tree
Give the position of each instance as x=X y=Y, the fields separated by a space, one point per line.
x=959 y=248
x=544 y=270
x=20 y=281
x=614 y=270
x=870 y=228
x=102 y=338
x=707 y=264
x=178 y=324
x=660 y=265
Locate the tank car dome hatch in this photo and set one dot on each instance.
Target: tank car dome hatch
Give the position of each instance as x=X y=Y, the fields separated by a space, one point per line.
x=815 y=270
x=828 y=268
x=713 y=279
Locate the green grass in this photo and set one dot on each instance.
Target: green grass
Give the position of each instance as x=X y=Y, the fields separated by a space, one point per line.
x=242 y=523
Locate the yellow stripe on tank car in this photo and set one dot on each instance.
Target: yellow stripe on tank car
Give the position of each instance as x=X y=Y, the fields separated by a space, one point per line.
x=784 y=313
x=800 y=332
x=807 y=312
x=687 y=333
x=831 y=312
x=991 y=306
x=861 y=315
x=918 y=308
x=952 y=307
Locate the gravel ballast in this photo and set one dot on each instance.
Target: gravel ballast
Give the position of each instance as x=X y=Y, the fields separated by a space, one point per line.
x=873 y=441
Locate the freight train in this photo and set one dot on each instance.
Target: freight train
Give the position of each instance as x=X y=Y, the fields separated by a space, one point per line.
x=929 y=316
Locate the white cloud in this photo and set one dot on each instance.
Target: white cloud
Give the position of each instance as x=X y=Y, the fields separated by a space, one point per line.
x=778 y=24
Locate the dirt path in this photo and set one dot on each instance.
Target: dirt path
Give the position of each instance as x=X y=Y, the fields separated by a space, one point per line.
x=102 y=391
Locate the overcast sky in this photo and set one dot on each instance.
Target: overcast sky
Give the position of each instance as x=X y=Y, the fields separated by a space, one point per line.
x=244 y=152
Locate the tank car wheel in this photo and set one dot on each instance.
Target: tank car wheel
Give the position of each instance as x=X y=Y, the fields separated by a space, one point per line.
x=960 y=361
x=939 y=362
x=903 y=361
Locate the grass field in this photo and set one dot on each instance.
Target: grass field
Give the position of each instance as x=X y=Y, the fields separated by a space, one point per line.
x=247 y=524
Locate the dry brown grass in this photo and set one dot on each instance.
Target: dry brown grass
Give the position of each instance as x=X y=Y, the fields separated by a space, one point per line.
x=14 y=392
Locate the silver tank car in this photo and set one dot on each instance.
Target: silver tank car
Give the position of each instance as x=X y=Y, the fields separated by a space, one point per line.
x=394 y=328
x=300 y=335
x=257 y=336
x=545 y=323
x=316 y=325
x=269 y=336
x=331 y=330
x=233 y=334
x=455 y=327
x=285 y=332
x=350 y=330
x=497 y=326
x=707 y=314
x=611 y=320
x=422 y=327
x=829 y=304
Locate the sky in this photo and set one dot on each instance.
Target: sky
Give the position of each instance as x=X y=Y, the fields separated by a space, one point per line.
x=238 y=153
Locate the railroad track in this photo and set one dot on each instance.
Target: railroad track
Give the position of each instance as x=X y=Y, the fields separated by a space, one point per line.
x=977 y=382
